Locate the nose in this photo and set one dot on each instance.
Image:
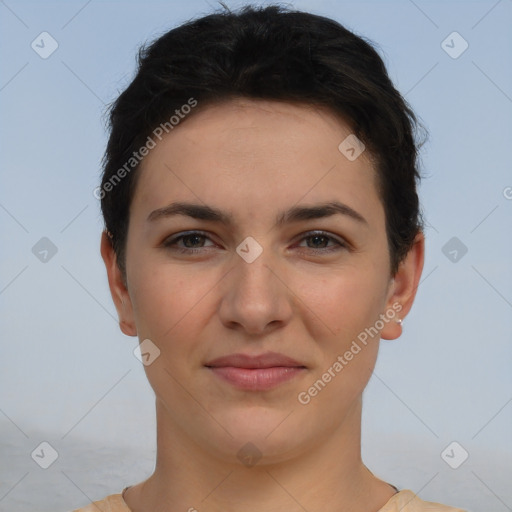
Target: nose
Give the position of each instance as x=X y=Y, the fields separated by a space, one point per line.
x=256 y=298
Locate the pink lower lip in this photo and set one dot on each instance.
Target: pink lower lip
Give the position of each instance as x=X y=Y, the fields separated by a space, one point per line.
x=257 y=379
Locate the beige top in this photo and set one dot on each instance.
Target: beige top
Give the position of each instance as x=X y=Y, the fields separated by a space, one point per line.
x=403 y=501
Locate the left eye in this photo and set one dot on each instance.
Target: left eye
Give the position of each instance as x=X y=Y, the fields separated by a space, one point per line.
x=321 y=238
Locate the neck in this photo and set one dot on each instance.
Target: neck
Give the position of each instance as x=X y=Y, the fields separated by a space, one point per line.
x=328 y=475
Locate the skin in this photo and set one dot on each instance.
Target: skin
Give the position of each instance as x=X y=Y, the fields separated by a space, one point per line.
x=253 y=159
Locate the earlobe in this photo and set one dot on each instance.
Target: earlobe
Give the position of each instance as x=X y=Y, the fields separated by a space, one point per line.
x=118 y=288
x=404 y=286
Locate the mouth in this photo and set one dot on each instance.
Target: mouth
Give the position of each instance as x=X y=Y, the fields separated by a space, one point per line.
x=256 y=373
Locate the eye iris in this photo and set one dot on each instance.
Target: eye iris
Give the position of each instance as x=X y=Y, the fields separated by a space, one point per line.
x=191 y=237
x=318 y=237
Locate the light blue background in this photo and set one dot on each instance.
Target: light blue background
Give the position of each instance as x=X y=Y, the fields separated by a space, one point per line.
x=68 y=375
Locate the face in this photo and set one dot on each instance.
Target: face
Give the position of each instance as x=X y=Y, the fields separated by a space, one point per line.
x=263 y=280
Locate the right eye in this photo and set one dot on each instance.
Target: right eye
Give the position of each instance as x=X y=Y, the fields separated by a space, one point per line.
x=191 y=242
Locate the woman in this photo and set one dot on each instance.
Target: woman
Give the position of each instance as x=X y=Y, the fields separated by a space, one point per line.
x=262 y=233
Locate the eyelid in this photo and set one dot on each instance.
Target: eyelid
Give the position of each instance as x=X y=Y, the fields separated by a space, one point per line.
x=319 y=232
x=168 y=241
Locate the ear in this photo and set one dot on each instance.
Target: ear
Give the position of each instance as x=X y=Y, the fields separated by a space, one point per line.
x=118 y=288
x=403 y=287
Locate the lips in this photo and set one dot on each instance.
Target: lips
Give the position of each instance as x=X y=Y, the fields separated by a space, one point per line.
x=267 y=360
x=257 y=373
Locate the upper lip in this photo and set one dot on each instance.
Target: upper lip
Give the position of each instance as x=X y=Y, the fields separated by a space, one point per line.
x=267 y=360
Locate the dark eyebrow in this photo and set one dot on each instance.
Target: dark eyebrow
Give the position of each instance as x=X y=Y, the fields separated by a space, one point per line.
x=196 y=211
x=298 y=213
x=295 y=214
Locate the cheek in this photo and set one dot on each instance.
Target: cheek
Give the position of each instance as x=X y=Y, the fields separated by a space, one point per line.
x=347 y=302
x=167 y=298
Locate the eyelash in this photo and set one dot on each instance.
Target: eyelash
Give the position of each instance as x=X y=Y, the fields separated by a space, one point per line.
x=171 y=242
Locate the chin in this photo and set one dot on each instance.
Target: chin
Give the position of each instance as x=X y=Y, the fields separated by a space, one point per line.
x=262 y=434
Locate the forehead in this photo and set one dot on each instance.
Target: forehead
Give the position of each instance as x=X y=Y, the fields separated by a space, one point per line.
x=242 y=124
x=255 y=154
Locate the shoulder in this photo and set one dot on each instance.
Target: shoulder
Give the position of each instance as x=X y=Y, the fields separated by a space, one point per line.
x=407 y=501
x=403 y=501
x=112 y=503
